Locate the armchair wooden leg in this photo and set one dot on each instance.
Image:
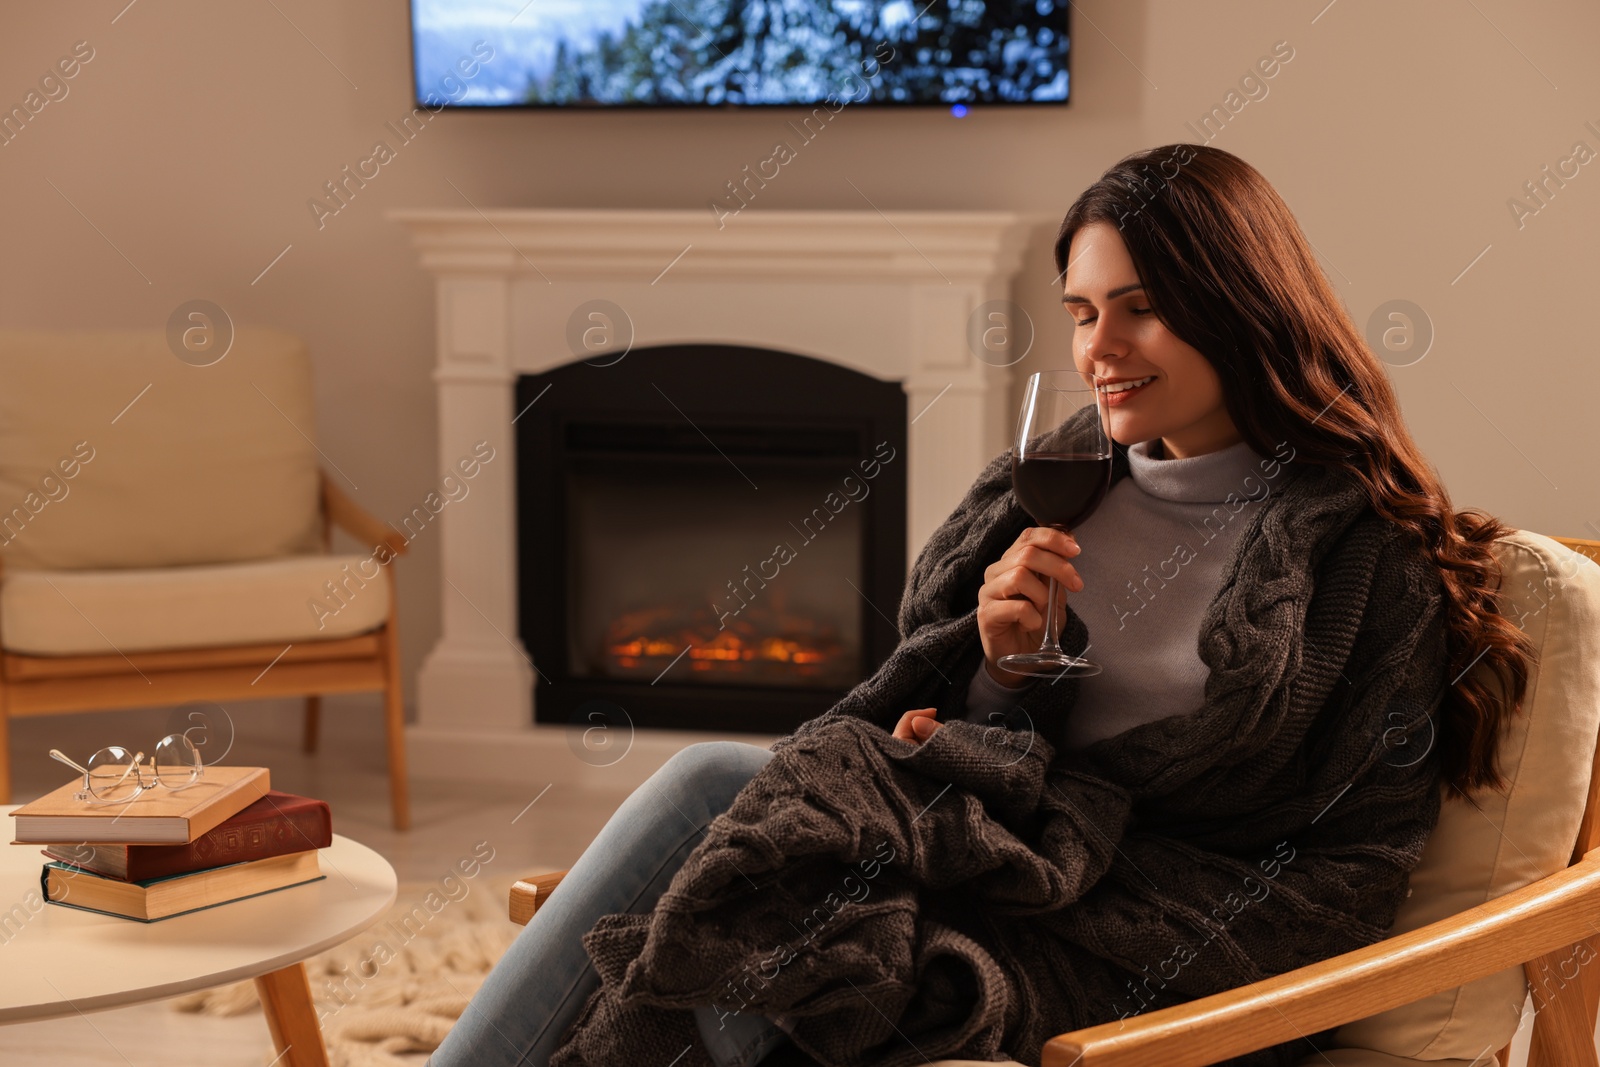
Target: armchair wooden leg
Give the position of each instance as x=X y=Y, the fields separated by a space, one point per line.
x=394 y=714
x=1566 y=991
x=5 y=733
x=286 y=1000
x=313 y=721
x=5 y=752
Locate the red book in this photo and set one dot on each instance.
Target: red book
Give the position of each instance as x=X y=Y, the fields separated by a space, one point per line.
x=275 y=825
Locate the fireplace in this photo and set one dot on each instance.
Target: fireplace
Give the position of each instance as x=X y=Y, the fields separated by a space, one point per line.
x=891 y=295
x=710 y=537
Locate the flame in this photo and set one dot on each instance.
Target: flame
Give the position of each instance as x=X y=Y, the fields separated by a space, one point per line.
x=759 y=644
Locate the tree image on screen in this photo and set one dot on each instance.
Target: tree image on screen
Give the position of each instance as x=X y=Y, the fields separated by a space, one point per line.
x=718 y=52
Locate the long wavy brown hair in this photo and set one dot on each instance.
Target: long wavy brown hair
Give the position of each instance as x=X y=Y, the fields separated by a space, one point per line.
x=1227 y=269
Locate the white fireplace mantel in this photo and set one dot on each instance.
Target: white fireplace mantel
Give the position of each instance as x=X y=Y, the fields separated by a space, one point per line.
x=890 y=294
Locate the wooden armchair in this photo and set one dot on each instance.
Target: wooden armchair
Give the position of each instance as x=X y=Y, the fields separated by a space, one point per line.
x=157 y=574
x=1550 y=928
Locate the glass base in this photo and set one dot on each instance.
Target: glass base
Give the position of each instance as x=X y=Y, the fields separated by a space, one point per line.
x=1054 y=663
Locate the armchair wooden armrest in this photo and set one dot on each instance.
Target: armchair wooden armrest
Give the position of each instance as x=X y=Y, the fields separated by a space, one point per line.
x=1539 y=922
x=1544 y=919
x=342 y=510
x=529 y=893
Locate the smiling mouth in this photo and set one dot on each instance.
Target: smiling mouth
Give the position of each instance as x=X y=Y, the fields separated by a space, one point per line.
x=1122 y=388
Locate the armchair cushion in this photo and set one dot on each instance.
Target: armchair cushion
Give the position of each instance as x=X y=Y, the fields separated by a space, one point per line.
x=1504 y=841
x=1362 y=1057
x=49 y=613
x=115 y=453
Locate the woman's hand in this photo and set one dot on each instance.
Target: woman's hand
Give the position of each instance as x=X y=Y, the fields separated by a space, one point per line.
x=917 y=726
x=1015 y=593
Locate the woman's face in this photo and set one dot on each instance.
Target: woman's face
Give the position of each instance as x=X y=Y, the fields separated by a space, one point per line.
x=1118 y=337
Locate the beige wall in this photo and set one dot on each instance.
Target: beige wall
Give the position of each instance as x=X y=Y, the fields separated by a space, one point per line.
x=196 y=135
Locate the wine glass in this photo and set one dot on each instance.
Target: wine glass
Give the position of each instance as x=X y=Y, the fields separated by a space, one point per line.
x=1060 y=474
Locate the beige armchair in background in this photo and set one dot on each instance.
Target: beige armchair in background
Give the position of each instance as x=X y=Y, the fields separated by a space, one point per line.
x=165 y=533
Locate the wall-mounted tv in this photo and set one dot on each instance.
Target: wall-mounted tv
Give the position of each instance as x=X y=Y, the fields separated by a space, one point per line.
x=720 y=53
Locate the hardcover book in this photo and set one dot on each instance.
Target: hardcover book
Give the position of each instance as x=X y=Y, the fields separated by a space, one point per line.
x=277 y=824
x=179 y=894
x=159 y=816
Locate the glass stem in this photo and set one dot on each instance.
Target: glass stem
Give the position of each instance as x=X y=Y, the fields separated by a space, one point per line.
x=1052 y=636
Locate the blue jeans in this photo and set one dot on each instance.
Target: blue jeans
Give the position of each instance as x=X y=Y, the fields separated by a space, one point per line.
x=534 y=993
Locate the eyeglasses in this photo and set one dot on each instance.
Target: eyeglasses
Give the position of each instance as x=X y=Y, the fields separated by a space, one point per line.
x=115 y=775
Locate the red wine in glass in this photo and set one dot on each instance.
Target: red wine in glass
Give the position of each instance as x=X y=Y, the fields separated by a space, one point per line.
x=1060 y=487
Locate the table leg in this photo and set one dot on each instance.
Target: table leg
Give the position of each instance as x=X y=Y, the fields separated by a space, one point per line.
x=296 y=1034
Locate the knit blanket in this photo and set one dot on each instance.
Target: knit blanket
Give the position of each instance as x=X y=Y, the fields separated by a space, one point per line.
x=974 y=895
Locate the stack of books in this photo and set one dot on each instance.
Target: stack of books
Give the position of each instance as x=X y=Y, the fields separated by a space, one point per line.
x=227 y=837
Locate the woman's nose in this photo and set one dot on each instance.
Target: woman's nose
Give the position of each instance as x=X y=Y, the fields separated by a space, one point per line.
x=1103 y=343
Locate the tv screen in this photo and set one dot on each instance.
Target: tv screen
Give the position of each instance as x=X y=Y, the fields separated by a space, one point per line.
x=691 y=53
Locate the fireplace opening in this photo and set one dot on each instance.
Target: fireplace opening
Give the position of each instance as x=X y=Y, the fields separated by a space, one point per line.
x=747 y=596
x=710 y=536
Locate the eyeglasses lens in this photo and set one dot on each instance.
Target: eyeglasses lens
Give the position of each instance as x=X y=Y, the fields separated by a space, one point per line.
x=177 y=761
x=113 y=774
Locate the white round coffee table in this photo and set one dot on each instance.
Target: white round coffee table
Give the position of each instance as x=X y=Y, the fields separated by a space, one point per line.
x=60 y=961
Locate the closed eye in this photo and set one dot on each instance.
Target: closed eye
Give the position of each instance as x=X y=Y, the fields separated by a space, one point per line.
x=1085 y=322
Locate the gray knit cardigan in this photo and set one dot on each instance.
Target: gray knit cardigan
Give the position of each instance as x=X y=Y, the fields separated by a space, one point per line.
x=978 y=893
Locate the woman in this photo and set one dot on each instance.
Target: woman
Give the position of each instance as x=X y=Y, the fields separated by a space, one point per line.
x=1286 y=608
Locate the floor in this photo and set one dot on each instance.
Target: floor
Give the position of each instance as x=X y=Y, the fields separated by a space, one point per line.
x=531 y=830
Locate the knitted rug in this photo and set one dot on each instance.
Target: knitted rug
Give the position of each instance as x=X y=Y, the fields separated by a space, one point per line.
x=388 y=997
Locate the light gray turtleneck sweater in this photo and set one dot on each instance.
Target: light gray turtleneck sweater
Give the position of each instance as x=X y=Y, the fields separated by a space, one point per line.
x=1151 y=565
